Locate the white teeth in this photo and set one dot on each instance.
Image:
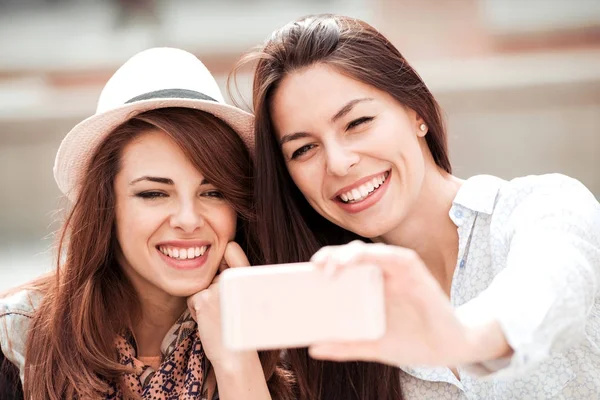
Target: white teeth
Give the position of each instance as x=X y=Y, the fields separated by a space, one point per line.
x=363 y=190
x=183 y=254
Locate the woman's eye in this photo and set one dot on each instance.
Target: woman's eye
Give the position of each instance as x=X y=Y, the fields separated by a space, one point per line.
x=151 y=195
x=214 y=193
x=358 y=122
x=302 y=150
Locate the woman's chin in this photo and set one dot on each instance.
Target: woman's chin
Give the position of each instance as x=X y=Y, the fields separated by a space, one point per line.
x=370 y=231
x=186 y=289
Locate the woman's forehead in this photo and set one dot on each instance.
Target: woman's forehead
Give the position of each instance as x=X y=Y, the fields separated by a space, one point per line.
x=154 y=153
x=317 y=92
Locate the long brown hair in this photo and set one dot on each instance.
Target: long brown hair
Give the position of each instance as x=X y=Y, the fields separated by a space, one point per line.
x=289 y=229
x=70 y=349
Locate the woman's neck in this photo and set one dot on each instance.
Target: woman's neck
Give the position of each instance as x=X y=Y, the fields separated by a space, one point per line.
x=157 y=316
x=428 y=229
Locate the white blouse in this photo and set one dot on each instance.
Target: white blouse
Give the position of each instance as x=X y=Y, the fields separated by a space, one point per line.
x=529 y=255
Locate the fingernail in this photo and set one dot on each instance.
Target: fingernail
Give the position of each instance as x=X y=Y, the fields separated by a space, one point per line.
x=317 y=258
x=314 y=352
x=329 y=269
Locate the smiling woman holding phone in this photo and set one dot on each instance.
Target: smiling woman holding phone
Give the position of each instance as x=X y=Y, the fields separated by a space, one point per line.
x=160 y=182
x=483 y=277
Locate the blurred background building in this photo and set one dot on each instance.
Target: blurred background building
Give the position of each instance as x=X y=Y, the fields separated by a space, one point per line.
x=519 y=81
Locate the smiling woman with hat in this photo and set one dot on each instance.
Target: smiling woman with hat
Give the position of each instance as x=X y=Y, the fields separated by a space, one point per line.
x=160 y=182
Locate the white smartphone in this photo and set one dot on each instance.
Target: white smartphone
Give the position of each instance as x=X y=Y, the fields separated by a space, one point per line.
x=295 y=305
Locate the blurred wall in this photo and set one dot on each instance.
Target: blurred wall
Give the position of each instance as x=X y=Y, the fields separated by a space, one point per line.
x=519 y=83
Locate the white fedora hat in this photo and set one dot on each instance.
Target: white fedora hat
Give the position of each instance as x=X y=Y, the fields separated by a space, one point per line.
x=152 y=79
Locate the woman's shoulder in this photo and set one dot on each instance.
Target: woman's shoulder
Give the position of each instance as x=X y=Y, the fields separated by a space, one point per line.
x=546 y=204
x=16 y=312
x=545 y=195
x=492 y=195
x=495 y=196
x=551 y=201
x=23 y=302
x=548 y=183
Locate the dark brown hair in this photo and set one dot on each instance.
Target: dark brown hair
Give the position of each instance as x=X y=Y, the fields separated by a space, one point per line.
x=10 y=382
x=70 y=349
x=289 y=229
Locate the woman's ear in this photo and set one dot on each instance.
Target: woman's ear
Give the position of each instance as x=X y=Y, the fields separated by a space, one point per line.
x=422 y=128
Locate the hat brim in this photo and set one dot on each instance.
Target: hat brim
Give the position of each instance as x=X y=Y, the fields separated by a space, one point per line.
x=81 y=142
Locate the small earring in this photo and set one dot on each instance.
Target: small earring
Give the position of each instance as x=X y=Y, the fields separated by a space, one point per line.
x=423 y=127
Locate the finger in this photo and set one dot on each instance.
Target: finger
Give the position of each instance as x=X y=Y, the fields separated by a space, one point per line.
x=322 y=260
x=234 y=256
x=331 y=269
x=349 y=253
x=222 y=266
x=330 y=253
x=322 y=255
x=327 y=251
x=391 y=259
x=332 y=258
x=357 y=351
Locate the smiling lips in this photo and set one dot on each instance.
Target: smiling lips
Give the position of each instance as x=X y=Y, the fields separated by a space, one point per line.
x=183 y=253
x=364 y=190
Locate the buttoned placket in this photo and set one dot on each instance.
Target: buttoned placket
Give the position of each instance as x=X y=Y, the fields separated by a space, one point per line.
x=465 y=221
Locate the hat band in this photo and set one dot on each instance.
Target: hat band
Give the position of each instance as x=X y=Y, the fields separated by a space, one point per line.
x=171 y=94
